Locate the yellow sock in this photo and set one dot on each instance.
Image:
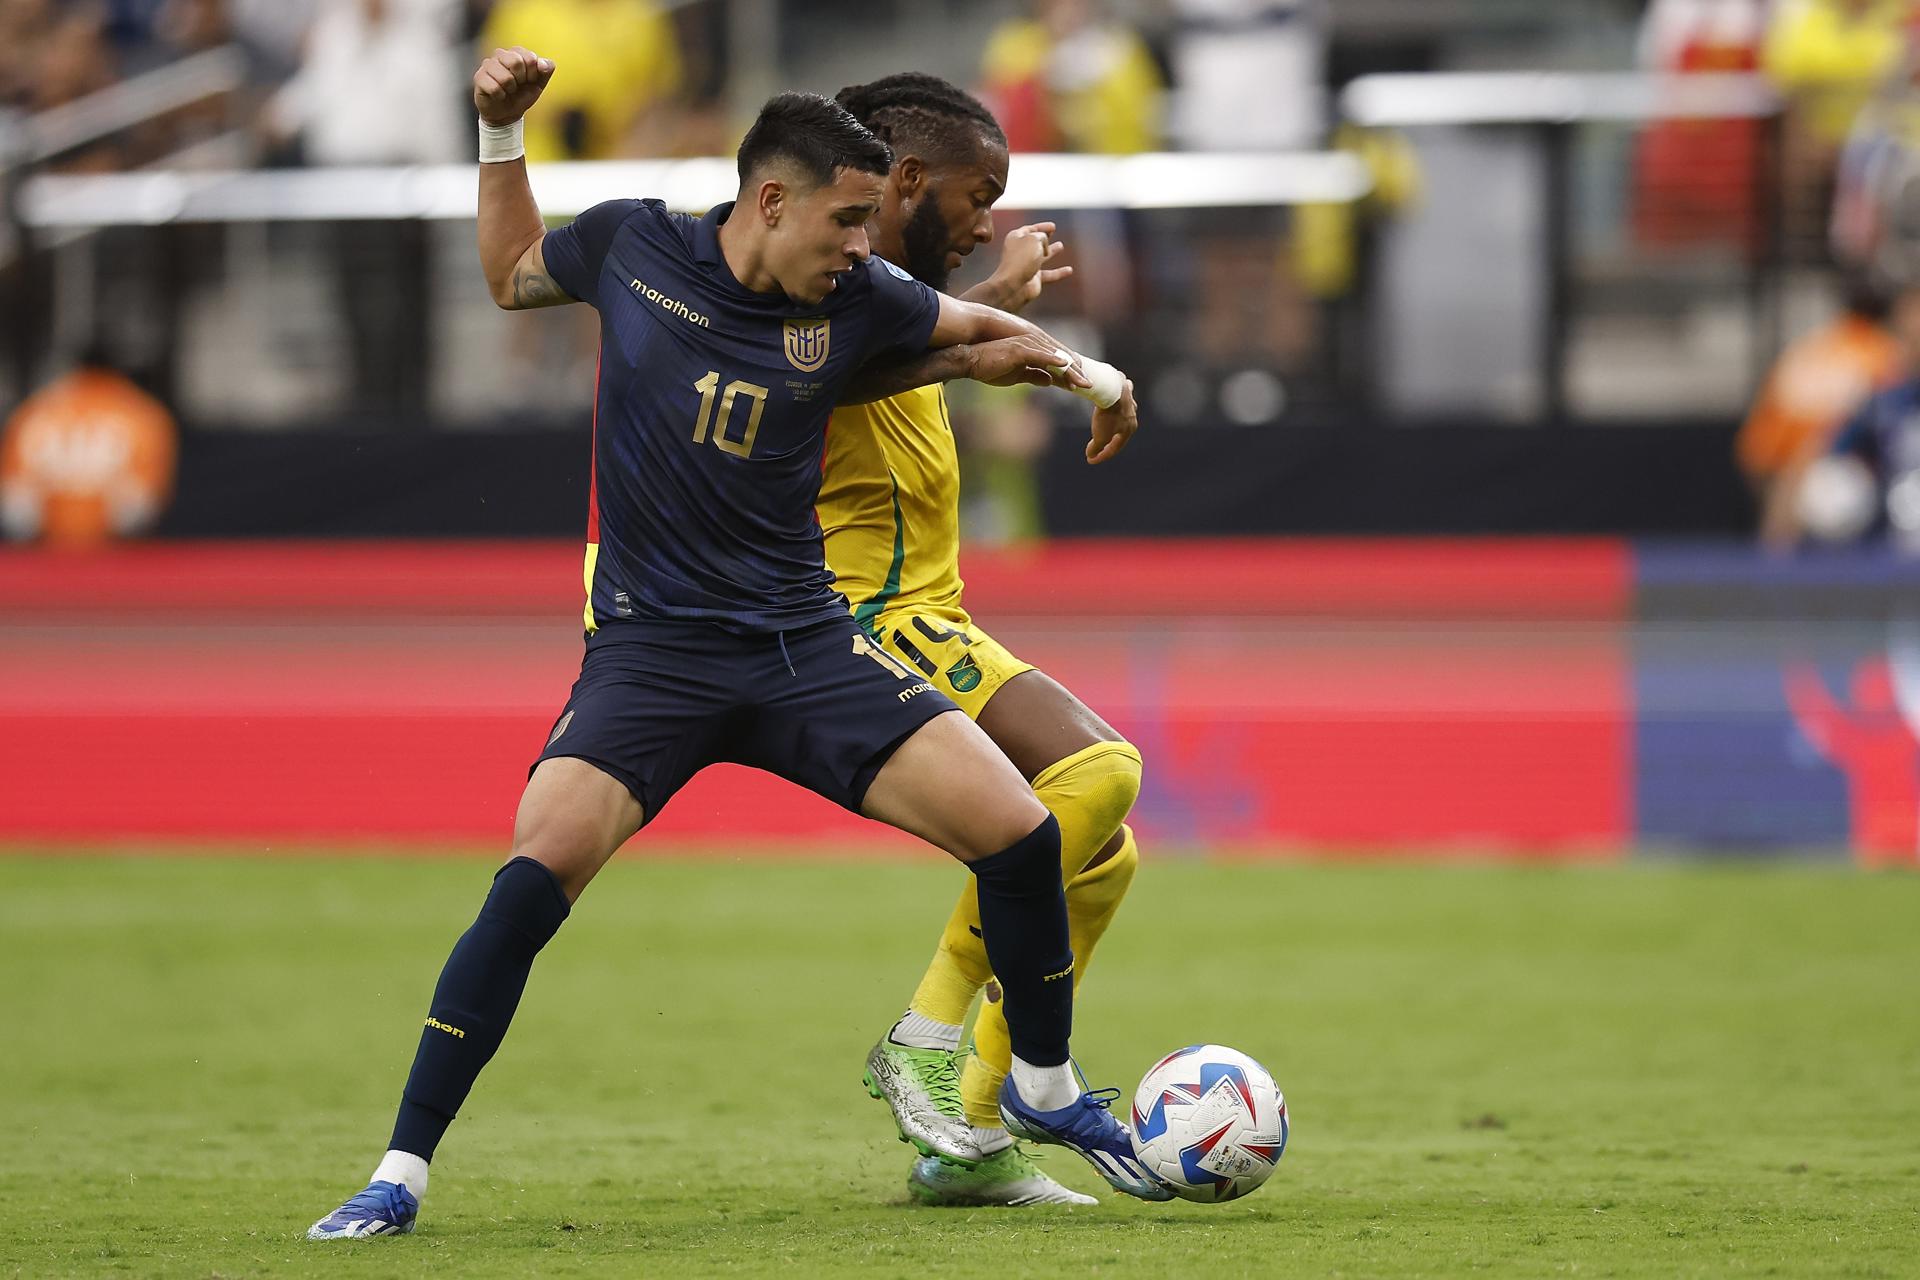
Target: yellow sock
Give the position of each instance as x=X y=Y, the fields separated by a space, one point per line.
x=1089 y=793
x=959 y=967
x=1093 y=897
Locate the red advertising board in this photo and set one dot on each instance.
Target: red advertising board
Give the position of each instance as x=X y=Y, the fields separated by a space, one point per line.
x=1365 y=696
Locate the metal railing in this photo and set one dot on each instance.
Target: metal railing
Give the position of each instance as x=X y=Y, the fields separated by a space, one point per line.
x=448 y=192
x=50 y=134
x=251 y=233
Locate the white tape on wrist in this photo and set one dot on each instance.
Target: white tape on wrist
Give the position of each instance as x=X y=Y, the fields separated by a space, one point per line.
x=502 y=142
x=1108 y=382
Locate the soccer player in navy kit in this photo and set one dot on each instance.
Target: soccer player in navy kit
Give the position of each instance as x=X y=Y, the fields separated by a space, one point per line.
x=714 y=633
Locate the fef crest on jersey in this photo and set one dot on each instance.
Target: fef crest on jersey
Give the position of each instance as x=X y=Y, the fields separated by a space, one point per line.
x=806 y=342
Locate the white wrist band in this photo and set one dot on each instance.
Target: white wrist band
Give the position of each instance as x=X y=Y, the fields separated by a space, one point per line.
x=502 y=142
x=1108 y=382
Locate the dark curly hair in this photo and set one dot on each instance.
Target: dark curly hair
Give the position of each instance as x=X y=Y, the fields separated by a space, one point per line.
x=920 y=113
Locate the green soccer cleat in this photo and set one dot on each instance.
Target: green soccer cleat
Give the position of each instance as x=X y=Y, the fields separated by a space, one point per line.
x=922 y=1086
x=1007 y=1177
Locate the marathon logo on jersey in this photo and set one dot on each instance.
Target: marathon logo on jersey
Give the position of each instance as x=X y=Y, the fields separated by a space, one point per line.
x=806 y=343
x=672 y=306
x=922 y=687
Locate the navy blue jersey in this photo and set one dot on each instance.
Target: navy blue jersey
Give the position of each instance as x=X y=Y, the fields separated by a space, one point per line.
x=1884 y=432
x=710 y=417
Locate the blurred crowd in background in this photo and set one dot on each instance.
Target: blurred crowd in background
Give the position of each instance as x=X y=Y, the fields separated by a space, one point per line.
x=1694 y=251
x=652 y=79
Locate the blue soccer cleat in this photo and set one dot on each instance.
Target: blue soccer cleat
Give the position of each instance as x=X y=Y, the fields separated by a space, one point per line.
x=383 y=1209
x=1088 y=1128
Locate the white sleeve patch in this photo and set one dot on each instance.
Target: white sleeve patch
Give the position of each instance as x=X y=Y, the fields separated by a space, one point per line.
x=897 y=272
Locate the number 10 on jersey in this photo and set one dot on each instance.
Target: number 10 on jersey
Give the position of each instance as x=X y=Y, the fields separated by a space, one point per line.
x=707 y=387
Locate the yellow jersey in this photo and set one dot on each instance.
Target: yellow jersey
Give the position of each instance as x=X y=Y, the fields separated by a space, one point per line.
x=616 y=58
x=889 y=506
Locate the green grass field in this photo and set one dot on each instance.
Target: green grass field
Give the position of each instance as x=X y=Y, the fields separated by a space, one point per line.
x=1647 y=1070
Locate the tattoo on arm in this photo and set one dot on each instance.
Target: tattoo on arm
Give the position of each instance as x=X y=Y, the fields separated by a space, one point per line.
x=535 y=289
x=879 y=381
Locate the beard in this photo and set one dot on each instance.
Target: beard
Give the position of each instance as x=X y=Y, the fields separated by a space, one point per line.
x=925 y=240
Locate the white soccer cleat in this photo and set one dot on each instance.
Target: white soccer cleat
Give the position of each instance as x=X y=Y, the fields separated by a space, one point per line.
x=1008 y=1177
x=922 y=1086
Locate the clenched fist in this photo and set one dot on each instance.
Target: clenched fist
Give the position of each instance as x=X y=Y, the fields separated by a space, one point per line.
x=508 y=83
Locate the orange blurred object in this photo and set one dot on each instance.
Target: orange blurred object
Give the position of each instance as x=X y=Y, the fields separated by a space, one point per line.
x=84 y=460
x=1817 y=383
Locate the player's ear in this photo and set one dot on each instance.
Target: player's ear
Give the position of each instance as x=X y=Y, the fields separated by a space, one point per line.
x=909 y=177
x=772 y=200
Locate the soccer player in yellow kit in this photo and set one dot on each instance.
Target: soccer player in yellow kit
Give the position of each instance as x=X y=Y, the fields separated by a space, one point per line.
x=889 y=509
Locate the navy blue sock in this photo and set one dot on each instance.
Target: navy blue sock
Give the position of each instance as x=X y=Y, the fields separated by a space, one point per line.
x=1023 y=921
x=475 y=999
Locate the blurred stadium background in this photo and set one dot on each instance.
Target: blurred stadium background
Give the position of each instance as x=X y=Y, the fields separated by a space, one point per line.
x=1490 y=354
x=1453 y=325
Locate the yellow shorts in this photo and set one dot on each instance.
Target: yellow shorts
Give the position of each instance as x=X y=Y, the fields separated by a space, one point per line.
x=962 y=661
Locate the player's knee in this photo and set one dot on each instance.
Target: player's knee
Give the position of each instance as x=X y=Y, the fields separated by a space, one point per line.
x=572 y=817
x=1123 y=768
x=1101 y=782
x=568 y=846
x=1019 y=820
x=566 y=862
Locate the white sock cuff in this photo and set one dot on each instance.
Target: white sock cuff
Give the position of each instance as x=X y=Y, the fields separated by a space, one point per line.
x=917 y=1031
x=405 y=1168
x=1045 y=1088
x=991 y=1139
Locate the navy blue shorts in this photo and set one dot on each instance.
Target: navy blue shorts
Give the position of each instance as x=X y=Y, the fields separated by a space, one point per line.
x=824 y=707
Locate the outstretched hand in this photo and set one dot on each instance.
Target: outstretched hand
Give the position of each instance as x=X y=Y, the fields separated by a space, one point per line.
x=1023 y=361
x=508 y=82
x=1023 y=271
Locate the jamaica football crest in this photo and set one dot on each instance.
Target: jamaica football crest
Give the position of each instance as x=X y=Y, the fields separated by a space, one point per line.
x=806 y=343
x=964 y=675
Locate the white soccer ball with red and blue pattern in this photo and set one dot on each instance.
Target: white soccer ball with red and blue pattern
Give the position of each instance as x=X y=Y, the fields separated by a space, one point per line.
x=1210 y=1122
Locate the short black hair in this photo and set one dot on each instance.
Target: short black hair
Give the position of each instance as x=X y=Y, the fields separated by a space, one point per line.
x=815 y=135
x=913 y=111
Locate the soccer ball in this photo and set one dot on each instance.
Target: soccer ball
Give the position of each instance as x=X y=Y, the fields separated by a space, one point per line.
x=1210 y=1122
